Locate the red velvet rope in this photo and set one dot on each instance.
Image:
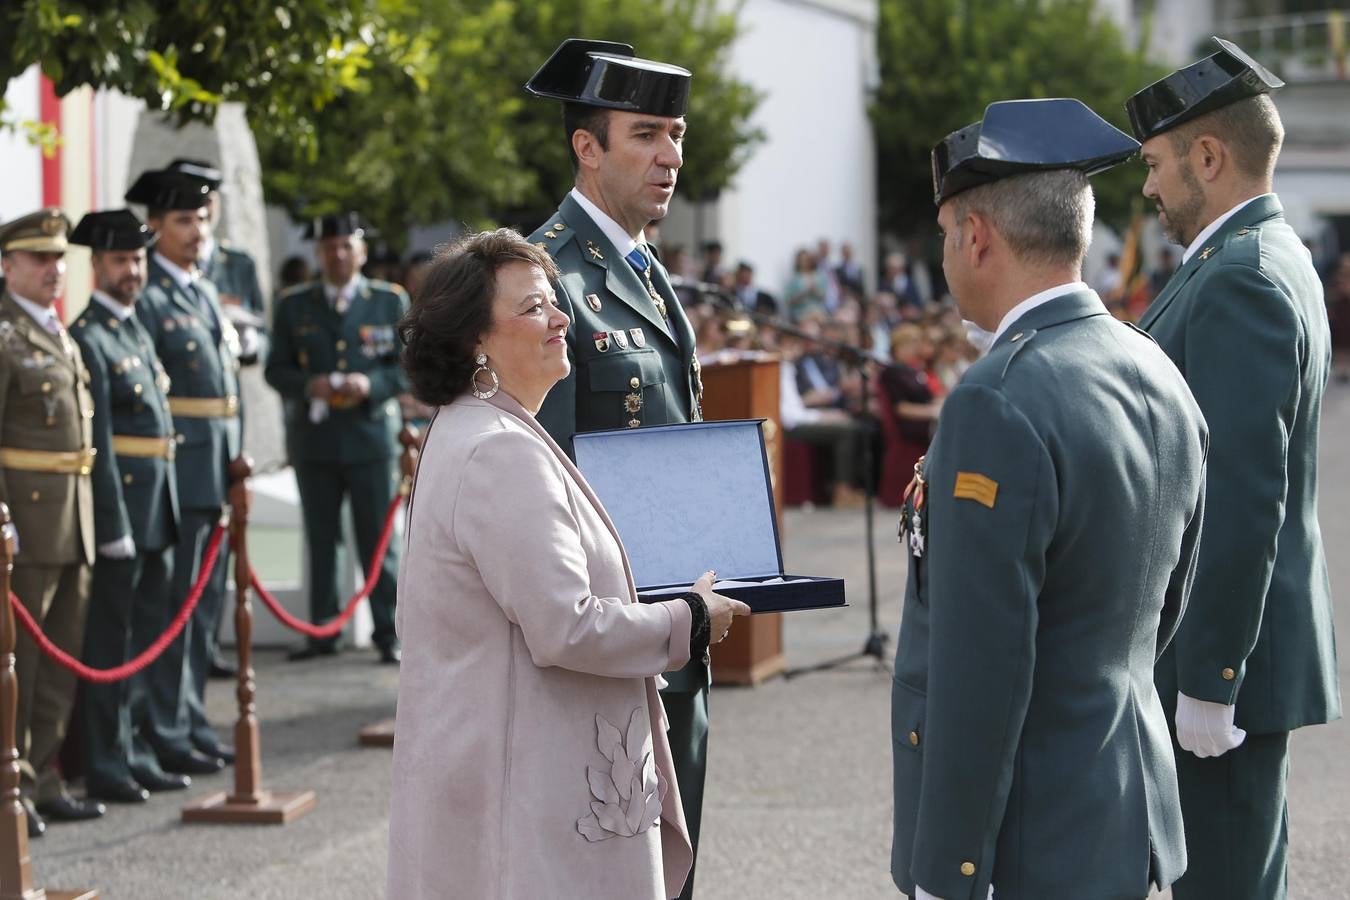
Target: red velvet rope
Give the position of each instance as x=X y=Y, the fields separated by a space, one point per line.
x=146 y=656
x=331 y=628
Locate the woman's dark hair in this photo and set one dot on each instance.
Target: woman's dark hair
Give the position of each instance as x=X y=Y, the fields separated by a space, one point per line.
x=454 y=309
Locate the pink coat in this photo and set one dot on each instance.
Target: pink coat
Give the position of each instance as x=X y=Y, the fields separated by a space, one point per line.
x=530 y=751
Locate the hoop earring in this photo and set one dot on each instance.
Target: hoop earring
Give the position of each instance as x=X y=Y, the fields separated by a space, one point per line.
x=478 y=392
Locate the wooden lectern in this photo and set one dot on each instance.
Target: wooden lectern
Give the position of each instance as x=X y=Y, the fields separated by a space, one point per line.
x=748 y=388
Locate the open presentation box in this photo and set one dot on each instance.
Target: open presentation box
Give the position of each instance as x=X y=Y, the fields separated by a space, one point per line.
x=688 y=498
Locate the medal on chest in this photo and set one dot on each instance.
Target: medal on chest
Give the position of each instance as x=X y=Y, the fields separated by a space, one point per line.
x=911 y=510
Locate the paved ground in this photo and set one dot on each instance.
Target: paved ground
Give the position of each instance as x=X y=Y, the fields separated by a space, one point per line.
x=799 y=796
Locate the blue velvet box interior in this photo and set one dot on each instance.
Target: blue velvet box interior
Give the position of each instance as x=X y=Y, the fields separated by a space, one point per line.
x=688 y=498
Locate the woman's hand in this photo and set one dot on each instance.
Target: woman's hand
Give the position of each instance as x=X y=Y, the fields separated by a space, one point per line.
x=721 y=609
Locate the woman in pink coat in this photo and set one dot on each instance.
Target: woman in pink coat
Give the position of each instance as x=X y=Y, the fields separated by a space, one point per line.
x=530 y=752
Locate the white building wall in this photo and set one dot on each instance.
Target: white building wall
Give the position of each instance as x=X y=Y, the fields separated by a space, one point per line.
x=20 y=161
x=814 y=176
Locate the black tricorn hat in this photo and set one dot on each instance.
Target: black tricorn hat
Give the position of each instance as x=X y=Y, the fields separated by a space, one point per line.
x=169 y=189
x=202 y=169
x=1020 y=136
x=334 y=225
x=608 y=75
x=1214 y=82
x=113 y=229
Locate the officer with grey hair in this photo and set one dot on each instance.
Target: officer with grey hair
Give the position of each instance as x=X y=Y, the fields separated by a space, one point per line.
x=1051 y=532
x=1243 y=317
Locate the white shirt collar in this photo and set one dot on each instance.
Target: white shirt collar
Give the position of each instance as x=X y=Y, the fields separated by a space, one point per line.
x=1214 y=226
x=182 y=277
x=39 y=313
x=347 y=290
x=117 y=309
x=622 y=240
x=1034 y=301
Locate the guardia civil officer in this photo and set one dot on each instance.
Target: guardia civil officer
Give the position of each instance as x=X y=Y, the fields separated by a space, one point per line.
x=135 y=509
x=230 y=269
x=46 y=455
x=199 y=350
x=1243 y=319
x=235 y=277
x=1051 y=531
x=334 y=360
x=630 y=344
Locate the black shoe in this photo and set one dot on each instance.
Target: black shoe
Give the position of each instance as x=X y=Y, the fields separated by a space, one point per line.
x=213 y=747
x=222 y=671
x=391 y=653
x=160 y=781
x=36 y=827
x=67 y=809
x=190 y=762
x=310 y=651
x=117 y=791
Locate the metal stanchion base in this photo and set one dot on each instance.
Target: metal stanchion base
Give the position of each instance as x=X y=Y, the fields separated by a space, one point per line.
x=381 y=734
x=271 y=808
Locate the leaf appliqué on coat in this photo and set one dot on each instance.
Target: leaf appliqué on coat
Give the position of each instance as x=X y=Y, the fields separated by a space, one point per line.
x=625 y=796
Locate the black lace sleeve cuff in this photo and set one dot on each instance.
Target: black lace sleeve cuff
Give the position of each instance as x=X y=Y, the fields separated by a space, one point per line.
x=698 y=625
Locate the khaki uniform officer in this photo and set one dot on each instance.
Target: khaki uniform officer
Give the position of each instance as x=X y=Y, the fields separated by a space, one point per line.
x=135 y=509
x=199 y=350
x=1243 y=319
x=46 y=455
x=334 y=361
x=630 y=345
x=1051 y=535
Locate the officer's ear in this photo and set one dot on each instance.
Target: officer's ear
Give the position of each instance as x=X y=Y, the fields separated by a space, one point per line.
x=1209 y=157
x=587 y=148
x=977 y=237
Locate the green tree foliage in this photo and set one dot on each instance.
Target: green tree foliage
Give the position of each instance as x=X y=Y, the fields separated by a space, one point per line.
x=462 y=140
x=283 y=60
x=411 y=111
x=944 y=61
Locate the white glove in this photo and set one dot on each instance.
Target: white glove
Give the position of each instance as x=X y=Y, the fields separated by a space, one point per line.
x=1206 y=729
x=249 y=342
x=122 y=548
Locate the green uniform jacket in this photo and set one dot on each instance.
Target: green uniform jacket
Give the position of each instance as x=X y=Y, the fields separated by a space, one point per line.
x=235 y=276
x=1059 y=525
x=627 y=368
x=1244 y=321
x=309 y=338
x=133 y=495
x=45 y=405
x=201 y=358
x=616 y=336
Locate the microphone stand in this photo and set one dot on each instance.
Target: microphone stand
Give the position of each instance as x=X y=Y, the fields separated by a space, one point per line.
x=874 y=645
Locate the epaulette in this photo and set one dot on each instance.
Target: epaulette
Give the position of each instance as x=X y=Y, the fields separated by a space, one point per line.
x=391 y=287
x=295 y=289
x=1019 y=341
x=552 y=237
x=1136 y=328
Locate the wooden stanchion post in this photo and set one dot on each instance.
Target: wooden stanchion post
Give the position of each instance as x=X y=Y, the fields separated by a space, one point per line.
x=16 y=866
x=381 y=734
x=250 y=803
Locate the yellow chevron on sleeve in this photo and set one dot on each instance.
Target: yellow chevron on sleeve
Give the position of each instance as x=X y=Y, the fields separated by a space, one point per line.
x=977 y=487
